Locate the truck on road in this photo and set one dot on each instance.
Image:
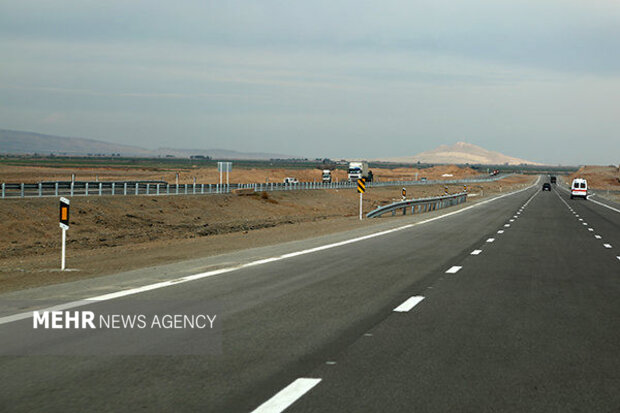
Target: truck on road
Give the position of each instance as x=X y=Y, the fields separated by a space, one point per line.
x=326 y=176
x=359 y=169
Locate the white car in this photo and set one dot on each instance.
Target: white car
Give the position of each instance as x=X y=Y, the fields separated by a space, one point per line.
x=290 y=181
x=579 y=187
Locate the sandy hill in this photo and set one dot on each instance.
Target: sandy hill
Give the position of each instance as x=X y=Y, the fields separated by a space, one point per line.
x=462 y=153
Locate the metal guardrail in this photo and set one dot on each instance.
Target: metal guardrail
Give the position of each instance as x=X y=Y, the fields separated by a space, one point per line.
x=125 y=188
x=421 y=205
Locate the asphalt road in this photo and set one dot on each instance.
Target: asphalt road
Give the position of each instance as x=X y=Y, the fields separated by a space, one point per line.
x=530 y=323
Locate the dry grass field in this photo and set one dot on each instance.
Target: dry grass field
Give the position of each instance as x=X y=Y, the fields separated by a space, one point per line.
x=18 y=174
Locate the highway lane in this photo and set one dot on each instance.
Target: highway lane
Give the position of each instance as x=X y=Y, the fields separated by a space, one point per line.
x=531 y=323
x=281 y=321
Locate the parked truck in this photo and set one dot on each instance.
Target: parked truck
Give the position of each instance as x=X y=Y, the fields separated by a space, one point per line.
x=359 y=169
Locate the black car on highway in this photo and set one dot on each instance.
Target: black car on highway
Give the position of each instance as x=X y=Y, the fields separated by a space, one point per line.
x=546 y=186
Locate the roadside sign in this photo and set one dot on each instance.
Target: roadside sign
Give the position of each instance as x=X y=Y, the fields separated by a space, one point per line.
x=64 y=225
x=224 y=166
x=464 y=188
x=361 y=185
x=404 y=192
x=64 y=213
x=361 y=188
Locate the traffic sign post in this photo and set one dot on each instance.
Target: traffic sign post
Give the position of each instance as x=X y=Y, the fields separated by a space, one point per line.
x=404 y=192
x=64 y=226
x=361 y=188
x=224 y=167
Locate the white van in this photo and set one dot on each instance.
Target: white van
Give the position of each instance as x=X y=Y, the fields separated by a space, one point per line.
x=579 y=187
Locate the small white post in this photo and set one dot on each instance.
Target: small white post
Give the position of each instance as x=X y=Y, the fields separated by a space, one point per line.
x=361 y=195
x=62 y=257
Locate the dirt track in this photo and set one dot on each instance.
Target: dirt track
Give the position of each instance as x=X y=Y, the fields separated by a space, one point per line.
x=143 y=231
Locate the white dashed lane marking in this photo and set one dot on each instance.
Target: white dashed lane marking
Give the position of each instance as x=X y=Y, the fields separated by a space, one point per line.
x=491 y=240
x=598 y=237
x=506 y=225
x=501 y=231
x=409 y=304
x=454 y=269
x=607 y=245
x=590 y=229
x=287 y=396
x=476 y=252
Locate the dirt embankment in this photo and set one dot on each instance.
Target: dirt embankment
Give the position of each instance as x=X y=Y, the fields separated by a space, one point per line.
x=605 y=180
x=112 y=234
x=599 y=177
x=29 y=174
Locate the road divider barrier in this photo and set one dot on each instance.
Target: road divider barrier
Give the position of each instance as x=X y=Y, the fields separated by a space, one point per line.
x=420 y=205
x=156 y=188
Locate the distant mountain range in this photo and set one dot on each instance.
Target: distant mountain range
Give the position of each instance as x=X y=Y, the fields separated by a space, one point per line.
x=20 y=142
x=461 y=153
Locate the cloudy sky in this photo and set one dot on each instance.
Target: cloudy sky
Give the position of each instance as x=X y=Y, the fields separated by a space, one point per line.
x=536 y=79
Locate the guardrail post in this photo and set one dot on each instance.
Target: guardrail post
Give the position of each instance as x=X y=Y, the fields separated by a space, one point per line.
x=185 y=189
x=86 y=189
x=22 y=190
x=3 y=190
x=147 y=188
x=167 y=189
x=40 y=189
x=177 y=189
x=194 y=189
x=125 y=188
x=157 y=188
x=55 y=189
x=113 y=188
x=202 y=188
x=100 y=188
x=137 y=188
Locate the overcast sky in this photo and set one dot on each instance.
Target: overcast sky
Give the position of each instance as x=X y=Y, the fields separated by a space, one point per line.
x=536 y=79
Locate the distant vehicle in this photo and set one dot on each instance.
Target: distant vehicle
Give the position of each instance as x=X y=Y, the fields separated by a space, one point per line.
x=327 y=176
x=546 y=186
x=359 y=170
x=423 y=179
x=494 y=172
x=554 y=180
x=579 y=188
x=290 y=181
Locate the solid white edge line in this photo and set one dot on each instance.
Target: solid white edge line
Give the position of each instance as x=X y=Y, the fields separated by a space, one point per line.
x=287 y=396
x=475 y=252
x=454 y=269
x=149 y=287
x=602 y=204
x=408 y=304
